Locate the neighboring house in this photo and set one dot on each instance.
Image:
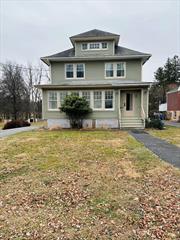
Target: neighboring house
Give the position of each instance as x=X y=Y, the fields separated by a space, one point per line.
x=107 y=75
x=173 y=104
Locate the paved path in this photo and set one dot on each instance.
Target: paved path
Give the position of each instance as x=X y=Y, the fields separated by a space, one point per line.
x=8 y=132
x=171 y=123
x=164 y=150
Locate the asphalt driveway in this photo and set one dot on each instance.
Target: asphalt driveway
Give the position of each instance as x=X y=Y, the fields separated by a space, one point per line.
x=172 y=124
x=164 y=150
x=8 y=132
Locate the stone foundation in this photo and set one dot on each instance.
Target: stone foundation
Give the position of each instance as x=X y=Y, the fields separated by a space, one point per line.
x=87 y=123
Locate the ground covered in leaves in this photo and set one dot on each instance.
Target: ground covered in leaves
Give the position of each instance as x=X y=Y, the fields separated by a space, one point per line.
x=75 y=185
x=170 y=134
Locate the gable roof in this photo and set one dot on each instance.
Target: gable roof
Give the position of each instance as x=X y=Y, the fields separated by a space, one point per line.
x=94 y=33
x=119 y=52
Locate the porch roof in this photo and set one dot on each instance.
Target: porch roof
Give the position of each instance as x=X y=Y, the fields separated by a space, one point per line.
x=95 y=84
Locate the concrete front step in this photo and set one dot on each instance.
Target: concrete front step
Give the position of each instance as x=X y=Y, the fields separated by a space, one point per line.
x=131 y=122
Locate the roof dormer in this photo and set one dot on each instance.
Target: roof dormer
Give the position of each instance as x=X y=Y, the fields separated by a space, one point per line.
x=95 y=35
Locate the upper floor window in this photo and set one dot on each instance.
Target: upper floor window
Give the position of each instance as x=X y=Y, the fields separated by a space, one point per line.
x=109 y=70
x=80 y=70
x=94 y=46
x=69 y=71
x=120 y=70
x=75 y=70
x=115 y=70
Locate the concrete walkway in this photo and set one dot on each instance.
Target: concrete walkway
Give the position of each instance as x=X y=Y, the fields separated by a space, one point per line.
x=171 y=123
x=164 y=150
x=8 y=132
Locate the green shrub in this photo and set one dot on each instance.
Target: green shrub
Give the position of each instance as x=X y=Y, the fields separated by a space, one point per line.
x=154 y=123
x=76 y=108
x=16 y=124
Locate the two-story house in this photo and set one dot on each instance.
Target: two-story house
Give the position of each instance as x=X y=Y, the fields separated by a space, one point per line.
x=107 y=75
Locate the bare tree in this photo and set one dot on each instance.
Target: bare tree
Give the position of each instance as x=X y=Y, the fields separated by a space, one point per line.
x=35 y=76
x=13 y=90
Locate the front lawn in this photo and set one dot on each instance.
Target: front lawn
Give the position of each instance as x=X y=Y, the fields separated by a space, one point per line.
x=170 y=134
x=76 y=185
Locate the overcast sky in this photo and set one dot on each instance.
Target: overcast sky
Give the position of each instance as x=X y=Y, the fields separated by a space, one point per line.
x=32 y=29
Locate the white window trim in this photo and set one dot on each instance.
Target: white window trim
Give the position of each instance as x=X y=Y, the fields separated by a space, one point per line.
x=114 y=70
x=80 y=95
x=74 y=71
x=53 y=109
x=95 y=49
x=103 y=101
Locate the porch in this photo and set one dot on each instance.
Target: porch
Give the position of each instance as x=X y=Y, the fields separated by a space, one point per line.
x=132 y=108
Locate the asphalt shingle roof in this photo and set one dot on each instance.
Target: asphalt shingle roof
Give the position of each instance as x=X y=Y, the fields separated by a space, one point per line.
x=94 y=33
x=119 y=51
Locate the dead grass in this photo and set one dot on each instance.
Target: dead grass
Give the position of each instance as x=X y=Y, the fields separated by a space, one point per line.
x=83 y=185
x=170 y=134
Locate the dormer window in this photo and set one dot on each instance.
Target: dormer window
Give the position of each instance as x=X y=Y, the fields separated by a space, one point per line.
x=94 y=46
x=104 y=45
x=84 y=46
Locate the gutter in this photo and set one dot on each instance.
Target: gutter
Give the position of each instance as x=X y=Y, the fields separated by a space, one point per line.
x=104 y=58
x=94 y=86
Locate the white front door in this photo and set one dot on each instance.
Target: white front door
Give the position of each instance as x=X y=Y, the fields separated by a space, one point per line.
x=127 y=104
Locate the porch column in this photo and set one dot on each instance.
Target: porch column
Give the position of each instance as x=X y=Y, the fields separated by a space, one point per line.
x=119 y=110
x=142 y=106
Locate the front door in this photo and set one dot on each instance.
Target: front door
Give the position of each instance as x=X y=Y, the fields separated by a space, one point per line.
x=130 y=103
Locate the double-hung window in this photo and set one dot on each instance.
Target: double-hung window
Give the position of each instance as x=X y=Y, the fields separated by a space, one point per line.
x=109 y=70
x=113 y=70
x=87 y=96
x=108 y=99
x=69 y=71
x=75 y=93
x=97 y=99
x=80 y=70
x=52 y=100
x=75 y=70
x=120 y=70
x=62 y=96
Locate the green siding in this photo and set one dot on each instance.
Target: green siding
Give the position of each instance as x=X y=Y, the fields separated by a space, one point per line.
x=80 y=53
x=95 y=70
x=94 y=115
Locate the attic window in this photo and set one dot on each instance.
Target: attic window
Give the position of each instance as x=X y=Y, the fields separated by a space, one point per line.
x=104 y=45
x=84 y=46
x=94 y=46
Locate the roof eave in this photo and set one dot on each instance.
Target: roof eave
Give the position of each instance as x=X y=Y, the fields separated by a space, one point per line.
x=89 y=58
x=45 y=60
x=51 y=86
x=80 y=39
